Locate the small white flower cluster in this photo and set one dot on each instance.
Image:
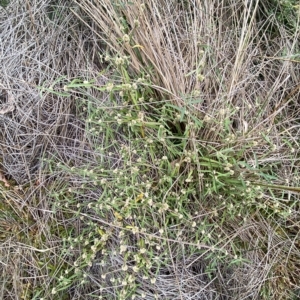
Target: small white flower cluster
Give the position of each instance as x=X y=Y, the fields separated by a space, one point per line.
x=188 y=156
x=109 y=87
x=126 y=38
x=126 y=87
x=207 y=119
x=230 y=138
x=200 y=77
x=228 y=167
x=164 y=207
x=120 y=60
x=223 y=111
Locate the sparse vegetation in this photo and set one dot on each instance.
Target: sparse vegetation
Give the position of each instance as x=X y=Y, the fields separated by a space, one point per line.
x=149 y=150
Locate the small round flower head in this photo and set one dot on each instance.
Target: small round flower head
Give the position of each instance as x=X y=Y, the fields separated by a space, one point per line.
x=143 y=7
x=123 y=248
x=131 y=278
x=119 y=61
x=207 y=118
x=135 y=269
x=136 y=23
x=153 y=280
x=126 y=38
x=109 y=87
x=222 y=111
x=135 y=229
x=200 y=77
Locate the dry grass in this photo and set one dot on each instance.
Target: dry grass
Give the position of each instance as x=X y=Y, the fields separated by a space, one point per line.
x=232 y=68
x=39 y=44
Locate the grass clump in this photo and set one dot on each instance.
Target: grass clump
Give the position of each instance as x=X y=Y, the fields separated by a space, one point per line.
x=172 y=170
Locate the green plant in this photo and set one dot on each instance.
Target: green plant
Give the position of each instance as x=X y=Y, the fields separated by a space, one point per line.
x=155 y=175
x=280 y=14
